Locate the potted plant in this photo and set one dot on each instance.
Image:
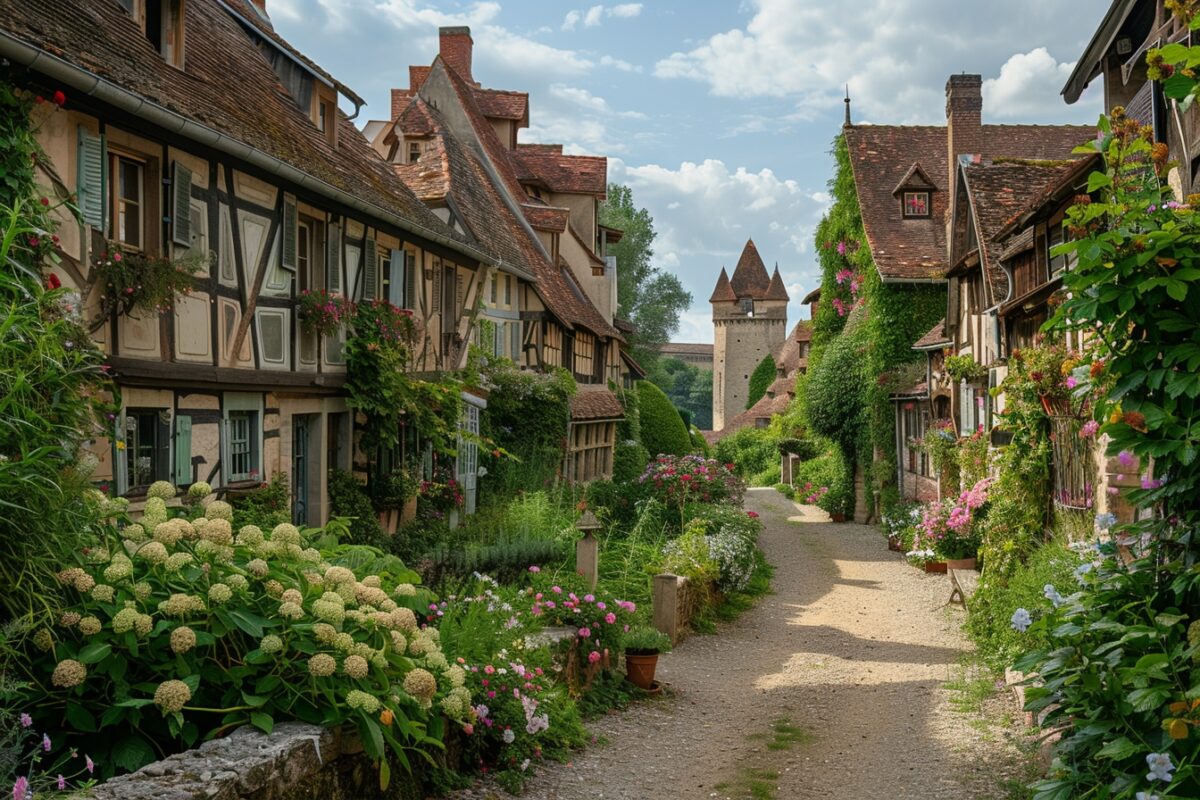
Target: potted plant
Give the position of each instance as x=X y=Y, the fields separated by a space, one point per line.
x=643 y=645
x=959 y=548
x=321 y=312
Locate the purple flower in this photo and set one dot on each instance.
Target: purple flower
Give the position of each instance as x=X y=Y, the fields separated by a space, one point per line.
x=1125 y=458
x=1089 y=429
x=841 y=248
x=62 y=783
x=46 y=742
x=535 y=568
x=26 y=720
x=1071 y=382
x=21 y=788
x=1151 y=483
x=91 y=765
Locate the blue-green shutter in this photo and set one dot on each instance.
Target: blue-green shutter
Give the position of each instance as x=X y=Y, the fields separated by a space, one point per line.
x=181 y=215
x=290 y=231
x=91 y=184
x=183 y=450
x=370 y=269
x=333 y=259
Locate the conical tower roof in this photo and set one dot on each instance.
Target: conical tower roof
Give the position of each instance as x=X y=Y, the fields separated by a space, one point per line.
x=777 y=291
x=724 y=292
x=750 y=278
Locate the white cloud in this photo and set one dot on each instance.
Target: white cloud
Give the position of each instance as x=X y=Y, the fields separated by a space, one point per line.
x=895 y=55
x=1027 y=88
x=414 y=13
x=595 y=14
x=624 y=66
x=585 y=99
x=704 y=212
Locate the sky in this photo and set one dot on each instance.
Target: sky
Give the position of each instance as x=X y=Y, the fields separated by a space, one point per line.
x=719 y=114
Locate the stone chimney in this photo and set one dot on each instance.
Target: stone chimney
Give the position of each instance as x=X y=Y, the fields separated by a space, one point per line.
x=455 y=49
x=964 y=120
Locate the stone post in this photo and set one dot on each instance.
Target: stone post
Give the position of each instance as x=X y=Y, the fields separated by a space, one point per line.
x=587 y=549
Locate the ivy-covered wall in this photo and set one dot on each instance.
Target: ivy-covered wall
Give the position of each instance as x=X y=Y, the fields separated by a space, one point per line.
x=890 y=317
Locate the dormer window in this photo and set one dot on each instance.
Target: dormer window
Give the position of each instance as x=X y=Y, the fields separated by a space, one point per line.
x=414 y=152
x=916 y=205
x=162 y=23
x=324 y=112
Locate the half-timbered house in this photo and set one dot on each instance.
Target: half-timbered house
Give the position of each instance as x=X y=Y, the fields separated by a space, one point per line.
x=192 y=129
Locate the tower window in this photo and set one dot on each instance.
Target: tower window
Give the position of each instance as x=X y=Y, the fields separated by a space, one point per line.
x=916 y=205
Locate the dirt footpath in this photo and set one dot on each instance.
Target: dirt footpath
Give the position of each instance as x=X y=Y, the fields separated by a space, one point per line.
x=830 y=687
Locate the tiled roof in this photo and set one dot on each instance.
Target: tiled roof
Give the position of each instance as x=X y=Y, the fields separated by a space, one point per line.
x=546 y=218
x=595 y=401
x=915 y=391
x=765 y=408
x=882 y=155
x=1060 y=188
x=935 y=338
x=562 y=173
x=750 y=278
x=500 y=220
x=812 y=296
x=783 y=386
x=997 y=193
x=226 y=85
x=776 y=291
x=684 y=348
x=723 y=293
x=787 y=355
x=245 y=10
x=804 y=330
x=500 y=104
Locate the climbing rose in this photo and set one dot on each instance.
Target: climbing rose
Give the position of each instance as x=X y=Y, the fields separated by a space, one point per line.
x=60 y=98
x=593 y=657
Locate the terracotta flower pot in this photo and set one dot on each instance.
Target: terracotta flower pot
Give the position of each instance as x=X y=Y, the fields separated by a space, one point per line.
x=935 y=566
x=640 y=669
x=960 y=563
x=838 y=517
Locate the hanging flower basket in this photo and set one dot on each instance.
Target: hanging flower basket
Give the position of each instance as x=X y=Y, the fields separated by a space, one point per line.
x=322 y=312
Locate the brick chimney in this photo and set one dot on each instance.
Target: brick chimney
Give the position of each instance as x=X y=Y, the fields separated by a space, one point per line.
x=416 y=77
x=455 y=48
x=964 y=120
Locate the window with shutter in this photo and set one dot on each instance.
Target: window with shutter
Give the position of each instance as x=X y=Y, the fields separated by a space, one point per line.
x=183 y=451
x=290 y=233
x=460 y=289
x=181 y=207
x=370 y=270
x=515 y=328
x=396 y=279
x=92 y=185
x=333 y=259
x=410 y=280
x=437 y=287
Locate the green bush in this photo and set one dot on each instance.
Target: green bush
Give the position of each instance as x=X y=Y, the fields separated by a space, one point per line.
x=663 y=432
x=752 y=451
x=267 y=506
x=181 y=630
x=348 y=498
x=835 y=397
x=527 y=415
x=629 y=461
x=827 y=470
x=761 y=380
x=992 y=606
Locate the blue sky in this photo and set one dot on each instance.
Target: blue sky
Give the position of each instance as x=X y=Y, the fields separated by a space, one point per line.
x=720 y=115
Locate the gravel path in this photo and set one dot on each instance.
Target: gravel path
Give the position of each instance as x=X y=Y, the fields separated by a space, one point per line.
x=830 y=687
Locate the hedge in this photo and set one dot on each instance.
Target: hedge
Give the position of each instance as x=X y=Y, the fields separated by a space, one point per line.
x=663 y=432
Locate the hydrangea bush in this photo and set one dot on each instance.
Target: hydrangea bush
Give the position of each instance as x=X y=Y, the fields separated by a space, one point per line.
x=181 y=629
x=678 y=480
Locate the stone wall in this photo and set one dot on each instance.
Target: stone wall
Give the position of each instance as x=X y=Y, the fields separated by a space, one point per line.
x=295 y=762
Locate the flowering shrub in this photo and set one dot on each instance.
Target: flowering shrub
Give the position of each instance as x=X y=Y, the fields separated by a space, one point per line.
x=136 y=281
x=322 y=312
x=181 y=629
x=598 y=620
x=21 y=742
x=677 y=480
x=715 y=551
x=948 y=528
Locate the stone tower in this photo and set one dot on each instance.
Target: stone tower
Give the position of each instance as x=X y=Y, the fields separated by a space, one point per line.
x=749 y=323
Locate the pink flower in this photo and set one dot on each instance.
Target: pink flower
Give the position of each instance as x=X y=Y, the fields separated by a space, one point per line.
x=610 y=618
x=46 y=742
x=593 y=657
x=26 y=720
x=556 y=589
x=535 y=569
x=585 y=633
x=468 y=729
x=62 y=783
x=587 y=598
x=600 y=606
x=841 y=248
x=1125 y=458
x=21 y=788
x=489 y=670
x=491 y=695
x=1071 y=382
x=1089 y=429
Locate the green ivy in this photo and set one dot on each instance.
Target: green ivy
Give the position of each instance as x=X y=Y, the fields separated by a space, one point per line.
x=527 y=416
x=761 y=380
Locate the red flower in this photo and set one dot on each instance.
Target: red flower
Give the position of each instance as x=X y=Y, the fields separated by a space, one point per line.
x=116 y=257
x=60 y=99
x=52 y=282
x=45 y=201
x=39 y=99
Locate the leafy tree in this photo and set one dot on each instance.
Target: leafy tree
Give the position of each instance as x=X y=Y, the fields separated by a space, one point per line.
x=761 y=380
x=649 y=297
x=663 y=432
x=688 y=387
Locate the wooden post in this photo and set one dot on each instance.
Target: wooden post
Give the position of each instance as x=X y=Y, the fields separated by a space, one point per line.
x=587 y=559
x=665 y=598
